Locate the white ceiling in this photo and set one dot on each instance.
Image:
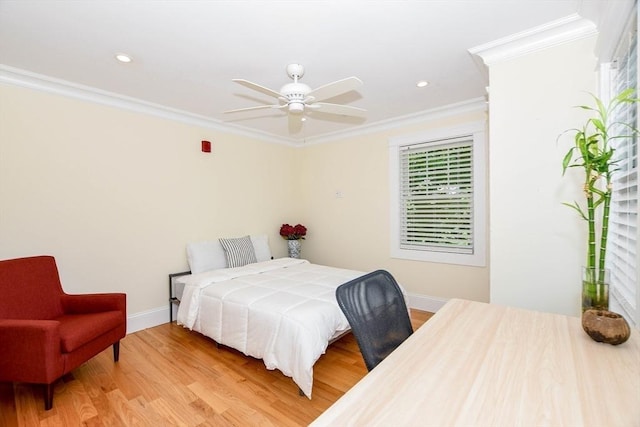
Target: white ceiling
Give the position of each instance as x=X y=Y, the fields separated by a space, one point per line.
x=185 y=53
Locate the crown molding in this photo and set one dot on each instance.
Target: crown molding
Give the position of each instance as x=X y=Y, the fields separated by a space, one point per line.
x=569 y=28
x=18 y=77
x=472 y=105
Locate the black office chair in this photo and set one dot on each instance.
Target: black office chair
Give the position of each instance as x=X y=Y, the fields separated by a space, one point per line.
x=375 y=308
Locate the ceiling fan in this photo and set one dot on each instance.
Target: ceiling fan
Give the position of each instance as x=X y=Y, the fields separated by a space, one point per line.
x=296 y=97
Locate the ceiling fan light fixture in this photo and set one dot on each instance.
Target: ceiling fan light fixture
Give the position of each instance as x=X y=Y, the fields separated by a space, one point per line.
x=297 y=97
x=296 y=107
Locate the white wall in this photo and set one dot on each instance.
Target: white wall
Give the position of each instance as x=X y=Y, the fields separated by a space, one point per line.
x=537 y=245
x=116 y=195
x=352 y=231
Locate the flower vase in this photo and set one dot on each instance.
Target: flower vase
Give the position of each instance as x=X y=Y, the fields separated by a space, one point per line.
x=294 y=248
x=595 y=289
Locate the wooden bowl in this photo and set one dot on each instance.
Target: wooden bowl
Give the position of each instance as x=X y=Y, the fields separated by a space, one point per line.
x=605 y=326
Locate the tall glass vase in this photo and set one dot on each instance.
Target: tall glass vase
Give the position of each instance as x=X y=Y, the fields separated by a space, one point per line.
x=294 y=248
x=595 y=289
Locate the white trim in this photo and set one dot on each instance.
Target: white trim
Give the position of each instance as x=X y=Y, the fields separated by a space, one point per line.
x=570 y=28
x=425 y=302
x=438 y=134
x=439 y=113
x=17 y=77
x=478 y=258
x=147 y=319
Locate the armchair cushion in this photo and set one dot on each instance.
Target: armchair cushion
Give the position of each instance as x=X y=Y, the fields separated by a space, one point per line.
x=79 y=329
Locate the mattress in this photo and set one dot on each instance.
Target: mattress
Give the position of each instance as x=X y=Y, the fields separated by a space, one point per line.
x=282 y=311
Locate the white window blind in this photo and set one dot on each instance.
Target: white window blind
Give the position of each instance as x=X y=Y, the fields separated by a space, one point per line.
x=622 y=253
x=436 y=196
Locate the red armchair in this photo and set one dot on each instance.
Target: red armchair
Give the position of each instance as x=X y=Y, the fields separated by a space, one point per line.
x=45 y=333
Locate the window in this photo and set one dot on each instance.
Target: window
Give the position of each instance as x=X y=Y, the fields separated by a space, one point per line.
x=622 y=252
x=438 y=192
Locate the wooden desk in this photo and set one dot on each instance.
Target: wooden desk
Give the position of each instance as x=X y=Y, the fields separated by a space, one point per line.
x=476 y=364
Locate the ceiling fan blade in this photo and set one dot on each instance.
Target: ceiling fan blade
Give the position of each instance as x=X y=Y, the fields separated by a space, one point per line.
x=259 y=88
x=345 y=110
x=259 y=107
x=334 y=89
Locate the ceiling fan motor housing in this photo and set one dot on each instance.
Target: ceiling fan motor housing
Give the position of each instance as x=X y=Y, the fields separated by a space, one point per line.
x=295 y=93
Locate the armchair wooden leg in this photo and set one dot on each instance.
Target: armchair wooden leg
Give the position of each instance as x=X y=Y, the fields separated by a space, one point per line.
x=48 y=396
x=116 y=351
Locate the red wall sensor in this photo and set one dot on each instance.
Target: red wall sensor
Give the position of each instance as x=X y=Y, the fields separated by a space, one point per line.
x=206 y=146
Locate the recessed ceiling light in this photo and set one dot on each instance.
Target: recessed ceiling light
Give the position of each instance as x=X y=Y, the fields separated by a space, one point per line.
x=422 y=83
x=123 y=58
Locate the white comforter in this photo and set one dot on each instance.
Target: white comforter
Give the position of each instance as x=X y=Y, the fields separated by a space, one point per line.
x=283 y=311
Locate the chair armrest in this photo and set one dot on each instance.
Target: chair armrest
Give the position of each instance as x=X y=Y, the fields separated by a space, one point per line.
x=30 y=350
x=94 y=303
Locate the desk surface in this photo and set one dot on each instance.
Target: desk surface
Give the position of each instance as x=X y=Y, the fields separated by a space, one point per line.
x=477 y=364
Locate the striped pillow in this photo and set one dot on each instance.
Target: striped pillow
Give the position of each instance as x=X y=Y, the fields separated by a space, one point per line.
x=239 y=251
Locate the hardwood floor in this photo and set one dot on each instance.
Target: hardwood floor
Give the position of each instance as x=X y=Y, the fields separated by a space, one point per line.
x=170 y=376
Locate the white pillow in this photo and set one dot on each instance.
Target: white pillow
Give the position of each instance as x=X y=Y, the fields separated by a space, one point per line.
x=239 y=251
x=261 y=247
x=205 y=256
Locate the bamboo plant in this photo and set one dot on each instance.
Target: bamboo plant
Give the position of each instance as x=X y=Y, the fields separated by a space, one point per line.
x=592 y=151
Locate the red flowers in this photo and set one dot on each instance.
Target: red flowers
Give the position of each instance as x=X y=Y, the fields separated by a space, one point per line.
x=290 y=232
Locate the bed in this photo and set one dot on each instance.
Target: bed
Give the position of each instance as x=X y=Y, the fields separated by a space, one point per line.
x=282 y=311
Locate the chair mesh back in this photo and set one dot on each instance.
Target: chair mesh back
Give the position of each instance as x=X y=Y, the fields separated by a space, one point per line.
x=375 y=308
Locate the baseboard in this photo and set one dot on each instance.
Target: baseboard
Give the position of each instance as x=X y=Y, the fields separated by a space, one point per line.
x=147 y=319
x=158 y=316
x=425 y=303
